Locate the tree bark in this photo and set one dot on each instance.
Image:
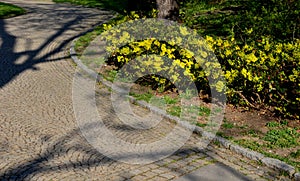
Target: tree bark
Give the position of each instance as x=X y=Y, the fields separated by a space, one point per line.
x=167 y=9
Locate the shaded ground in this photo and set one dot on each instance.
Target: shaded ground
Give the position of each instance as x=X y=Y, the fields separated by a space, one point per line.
x=258 y=130
x=40 y=138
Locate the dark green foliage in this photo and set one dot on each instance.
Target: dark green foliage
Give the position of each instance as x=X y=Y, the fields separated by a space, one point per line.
x=9 y=10
x=277 y=18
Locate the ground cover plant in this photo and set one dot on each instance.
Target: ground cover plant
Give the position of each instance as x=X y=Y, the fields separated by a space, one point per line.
x=9 y=10
x=117 y=5
x=121 y=6
x=258 y=46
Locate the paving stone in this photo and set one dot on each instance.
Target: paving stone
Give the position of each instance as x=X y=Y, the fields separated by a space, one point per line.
x=38 y=127
x=149 y=174
x=158 y=178
x=138 y=178
x=167 y=176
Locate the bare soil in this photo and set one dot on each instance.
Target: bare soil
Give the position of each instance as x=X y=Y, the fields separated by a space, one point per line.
x=243 y=122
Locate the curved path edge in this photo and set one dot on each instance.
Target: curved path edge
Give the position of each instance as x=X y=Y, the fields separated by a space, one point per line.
x=252 y=155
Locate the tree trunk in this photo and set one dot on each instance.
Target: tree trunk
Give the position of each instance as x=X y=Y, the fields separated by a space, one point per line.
x=167 y=9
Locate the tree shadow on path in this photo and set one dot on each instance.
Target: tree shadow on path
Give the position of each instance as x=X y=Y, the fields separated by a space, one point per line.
x=10 y=68
x=91 y=158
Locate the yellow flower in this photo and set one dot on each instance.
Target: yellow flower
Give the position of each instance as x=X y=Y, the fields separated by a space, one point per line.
x=256 y=79
x=107 y=27
x=279 y=48
x=267 y=47
x=120 y=58
x=183 y=30
x=170 y=52
x=251 y=58
x=162 y=81
x=260 y=88
x=125 y=37
x=178 y=40
x=177 y=61
x=148 y=44
x=170 y=55
x=156 y=42
x=188 y=74
x=209 y=38
x=227 y=53
x=220 y=86
x=249 y=74
x=147 y=63
x=174 y=78
x=226 y=44
x=125 y=51
x=203 y=54
x=249 y=31
x=219 y=42
x=189 y=63
x=163 y=48
x=189 y=54
x=136 y=49
x=244 y=72
x=182 y=65
x=228 y=76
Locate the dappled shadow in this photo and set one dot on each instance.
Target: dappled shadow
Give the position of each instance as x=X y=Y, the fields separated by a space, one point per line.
x=57 y=151
x=50 y=160
x=215 y=171
x=120 y=6
x=8 y=68
x=57 y=22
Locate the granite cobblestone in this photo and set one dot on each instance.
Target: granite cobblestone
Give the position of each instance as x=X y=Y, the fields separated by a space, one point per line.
x=40 y=138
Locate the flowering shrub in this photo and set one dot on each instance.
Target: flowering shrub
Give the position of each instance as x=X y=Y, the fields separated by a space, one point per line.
x=177 y=43
x=261 y=73
x=181 y=59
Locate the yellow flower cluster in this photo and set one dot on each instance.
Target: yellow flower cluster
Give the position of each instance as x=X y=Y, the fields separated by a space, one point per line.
x=262 y=70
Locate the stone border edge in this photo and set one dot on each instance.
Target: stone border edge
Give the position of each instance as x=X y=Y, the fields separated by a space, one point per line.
x=252 y=155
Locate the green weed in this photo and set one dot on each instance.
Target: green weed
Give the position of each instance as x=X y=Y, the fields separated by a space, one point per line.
x=272 y=124
x=221 y=134
x=174 y=110
x=146 y=96
x=170 y=100
x=284 y=138
x=227 y=125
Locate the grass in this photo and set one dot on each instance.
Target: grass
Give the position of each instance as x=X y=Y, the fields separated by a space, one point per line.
x=116 y=5
x=209 y=18
x=213 y=19
x=145 y=97
x=224 y=18
x=292 y=159
x=221 y=134
x=279 y=136
x=282 y=137
x=227 y=125
x=9 y=10
x=110 y=76
x=174 y=110
x=170 y=100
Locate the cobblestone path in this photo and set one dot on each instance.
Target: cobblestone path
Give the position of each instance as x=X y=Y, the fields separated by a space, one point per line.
x=39 y=137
